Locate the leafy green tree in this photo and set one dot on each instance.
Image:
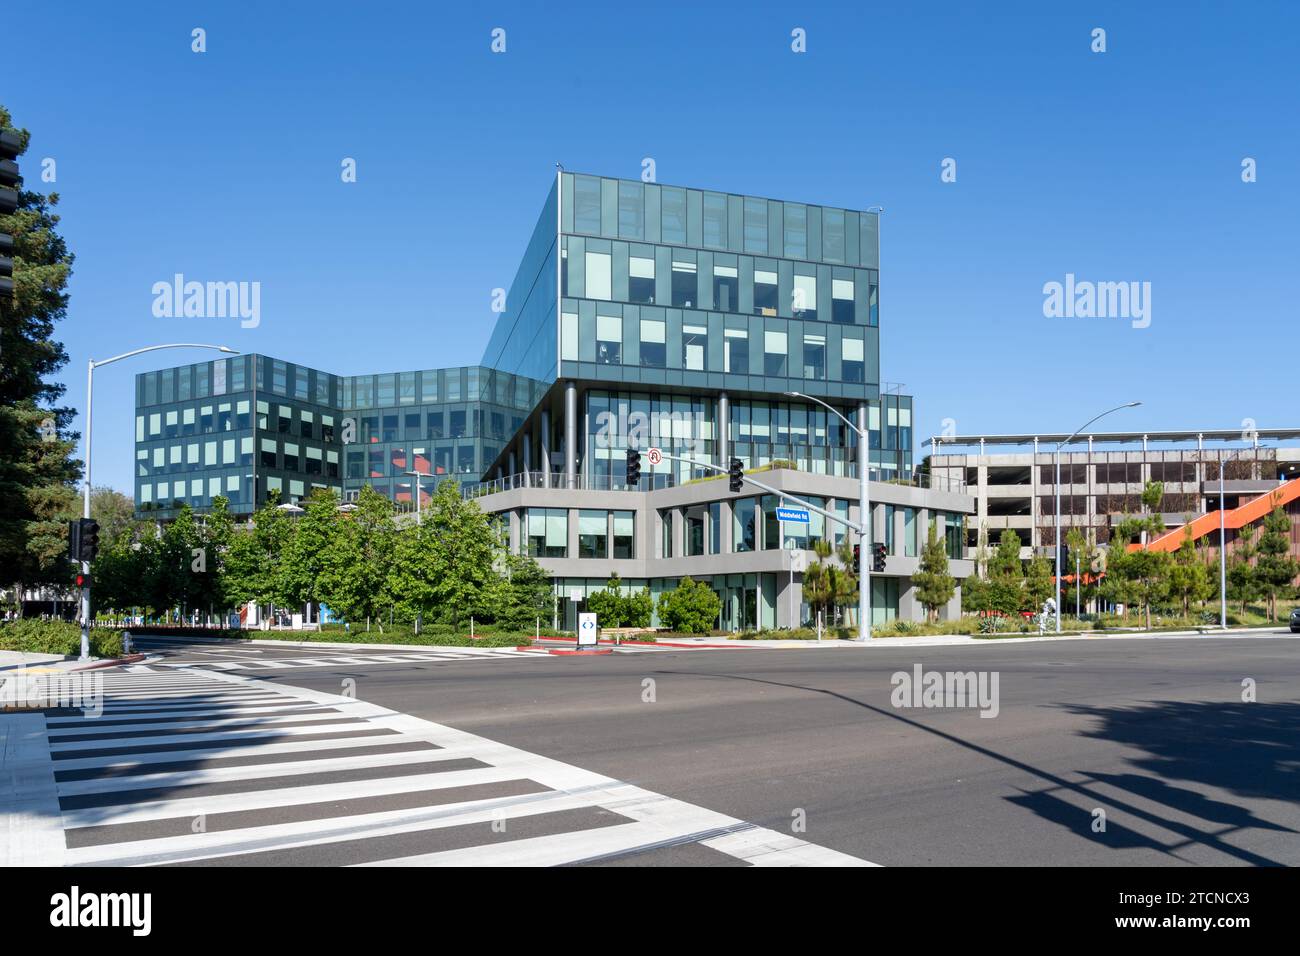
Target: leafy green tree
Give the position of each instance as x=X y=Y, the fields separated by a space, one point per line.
x=115 y=513
x=302 y=562
x=1038 y=585
x=37 y=471
x=527 y=594
x=1006 y=581
x=934 y=584
x=609 y=604
x=1079 y=591
x=1243 y=585
x=252 y=562
x=690 y=608
x=465 y=548
x=1139 y=577
x=355 y=575
x=1275 y=569
x=1189 y=578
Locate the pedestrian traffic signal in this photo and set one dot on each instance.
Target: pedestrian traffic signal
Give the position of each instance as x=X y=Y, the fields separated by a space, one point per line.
x=880 y=554
x=82 y=579
x=857 y=558
x=633 y=467
x=736 y=472
x=87 y=539
x=74 y=540
x=1062 y=560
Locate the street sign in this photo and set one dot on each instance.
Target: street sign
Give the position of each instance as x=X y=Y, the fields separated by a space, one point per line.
x=799 y=560
x=654 y=456
x=792 y=514
x=587 y=630
x=575 y=595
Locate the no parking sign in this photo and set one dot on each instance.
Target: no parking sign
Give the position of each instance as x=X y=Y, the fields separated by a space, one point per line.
x=587 y=630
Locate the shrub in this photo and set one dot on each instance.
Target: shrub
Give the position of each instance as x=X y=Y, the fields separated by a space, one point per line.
x=691 y=607
x=32 y=636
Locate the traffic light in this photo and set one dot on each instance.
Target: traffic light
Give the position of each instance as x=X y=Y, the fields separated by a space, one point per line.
x=880 y=554
x=82 y=579
x=633 y=467
x=857 y=558
x=87 y=539
x=736 y=482
x=1062 y=560
x=74 y=540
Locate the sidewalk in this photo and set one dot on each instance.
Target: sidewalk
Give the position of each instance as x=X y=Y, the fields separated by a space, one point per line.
x=21 y=662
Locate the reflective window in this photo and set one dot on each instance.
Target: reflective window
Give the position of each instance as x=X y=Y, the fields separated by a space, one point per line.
x=744 y=531
x=624 y=534
x=599 y=282
x=715 y=220
x=804 y=297
x=735 y=352
x=641 y=280
x=672 y=217
x=654 y=350
x=609 y=339
x=842 y=300
x=683 y=284
x=593 y=541
x=774 y=353
x=547 y=532
x=726 y=288
x=814 y=356
x=695 y=347
x=852 y=367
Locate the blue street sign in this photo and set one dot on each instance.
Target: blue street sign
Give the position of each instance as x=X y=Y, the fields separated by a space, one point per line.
x=792 y=514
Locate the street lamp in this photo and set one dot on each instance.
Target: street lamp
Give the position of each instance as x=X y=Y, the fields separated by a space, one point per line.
x=91 y=365
x=417 y=475
x=1057 y=486
x=864 y=516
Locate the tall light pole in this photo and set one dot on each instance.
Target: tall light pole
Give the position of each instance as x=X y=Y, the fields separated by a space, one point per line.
x=417 y=475
x=91 y=365
x=864 y=515
x=1056 y=564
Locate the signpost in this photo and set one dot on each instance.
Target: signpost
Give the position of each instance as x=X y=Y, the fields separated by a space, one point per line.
x=654 y=456
x=587 y=630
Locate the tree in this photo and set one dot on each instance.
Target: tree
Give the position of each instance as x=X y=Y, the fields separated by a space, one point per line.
x=527 y=594
x=690 y=608
x=115 y=513
x=1140 y=576
x=1006 y=582
x=1189 y=578
x=37 y=472
x=1039 y=585
x=302 y=562
x=355 y=571
x=1078 y=592
x=608 y=604
x=819 y=581
x=1243 y=585
x=465 y=547
x=1275 y=569
x=934 y=585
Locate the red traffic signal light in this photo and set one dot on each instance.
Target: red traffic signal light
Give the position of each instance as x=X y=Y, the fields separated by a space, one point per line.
x=82 y=579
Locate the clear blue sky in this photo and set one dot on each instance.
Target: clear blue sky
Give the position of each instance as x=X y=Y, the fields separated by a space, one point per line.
x=1117 y=166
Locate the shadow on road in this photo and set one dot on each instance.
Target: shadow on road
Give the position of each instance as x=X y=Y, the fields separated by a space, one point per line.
x=1251 y=750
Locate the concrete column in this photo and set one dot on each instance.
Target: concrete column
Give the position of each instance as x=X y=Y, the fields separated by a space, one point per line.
x=528 y=456
x=723 y=425
x=546 y=448
x=514 y=470
x=571 y=434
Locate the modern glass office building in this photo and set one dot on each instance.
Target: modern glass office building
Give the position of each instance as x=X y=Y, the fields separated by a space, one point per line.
x=707 y=324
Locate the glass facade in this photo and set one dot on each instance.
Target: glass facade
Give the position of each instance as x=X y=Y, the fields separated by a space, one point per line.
x=247 y=426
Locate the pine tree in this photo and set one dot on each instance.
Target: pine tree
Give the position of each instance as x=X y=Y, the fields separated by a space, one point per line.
x=934 y=585
x=1275 y=569
x=37 y=471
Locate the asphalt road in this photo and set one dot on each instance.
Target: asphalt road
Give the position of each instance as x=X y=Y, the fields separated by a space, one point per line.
x=1152 y=732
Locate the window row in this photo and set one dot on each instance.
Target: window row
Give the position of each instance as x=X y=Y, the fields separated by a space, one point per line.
x=688 y=279
x=443 y=422
x=268 y=453
x=658 y=338
x=395 y=462
x=629 y=209
x=544 y=533
x=196 y=420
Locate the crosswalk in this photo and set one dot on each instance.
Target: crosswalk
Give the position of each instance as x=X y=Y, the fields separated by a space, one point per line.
x=443 y=655
x=200 y=767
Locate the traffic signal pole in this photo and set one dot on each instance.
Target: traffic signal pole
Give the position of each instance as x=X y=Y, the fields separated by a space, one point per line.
x=85 y=513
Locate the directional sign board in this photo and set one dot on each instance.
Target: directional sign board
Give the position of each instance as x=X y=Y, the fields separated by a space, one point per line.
x=587 y=630
x=792 y=514
x=654 y=456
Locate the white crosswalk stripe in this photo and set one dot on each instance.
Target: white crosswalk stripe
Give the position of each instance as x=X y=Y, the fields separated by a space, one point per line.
x=193 y=765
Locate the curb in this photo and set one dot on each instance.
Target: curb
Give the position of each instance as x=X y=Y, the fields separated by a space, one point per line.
x=110 y=662
x=564 y=652
x=262 y=642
